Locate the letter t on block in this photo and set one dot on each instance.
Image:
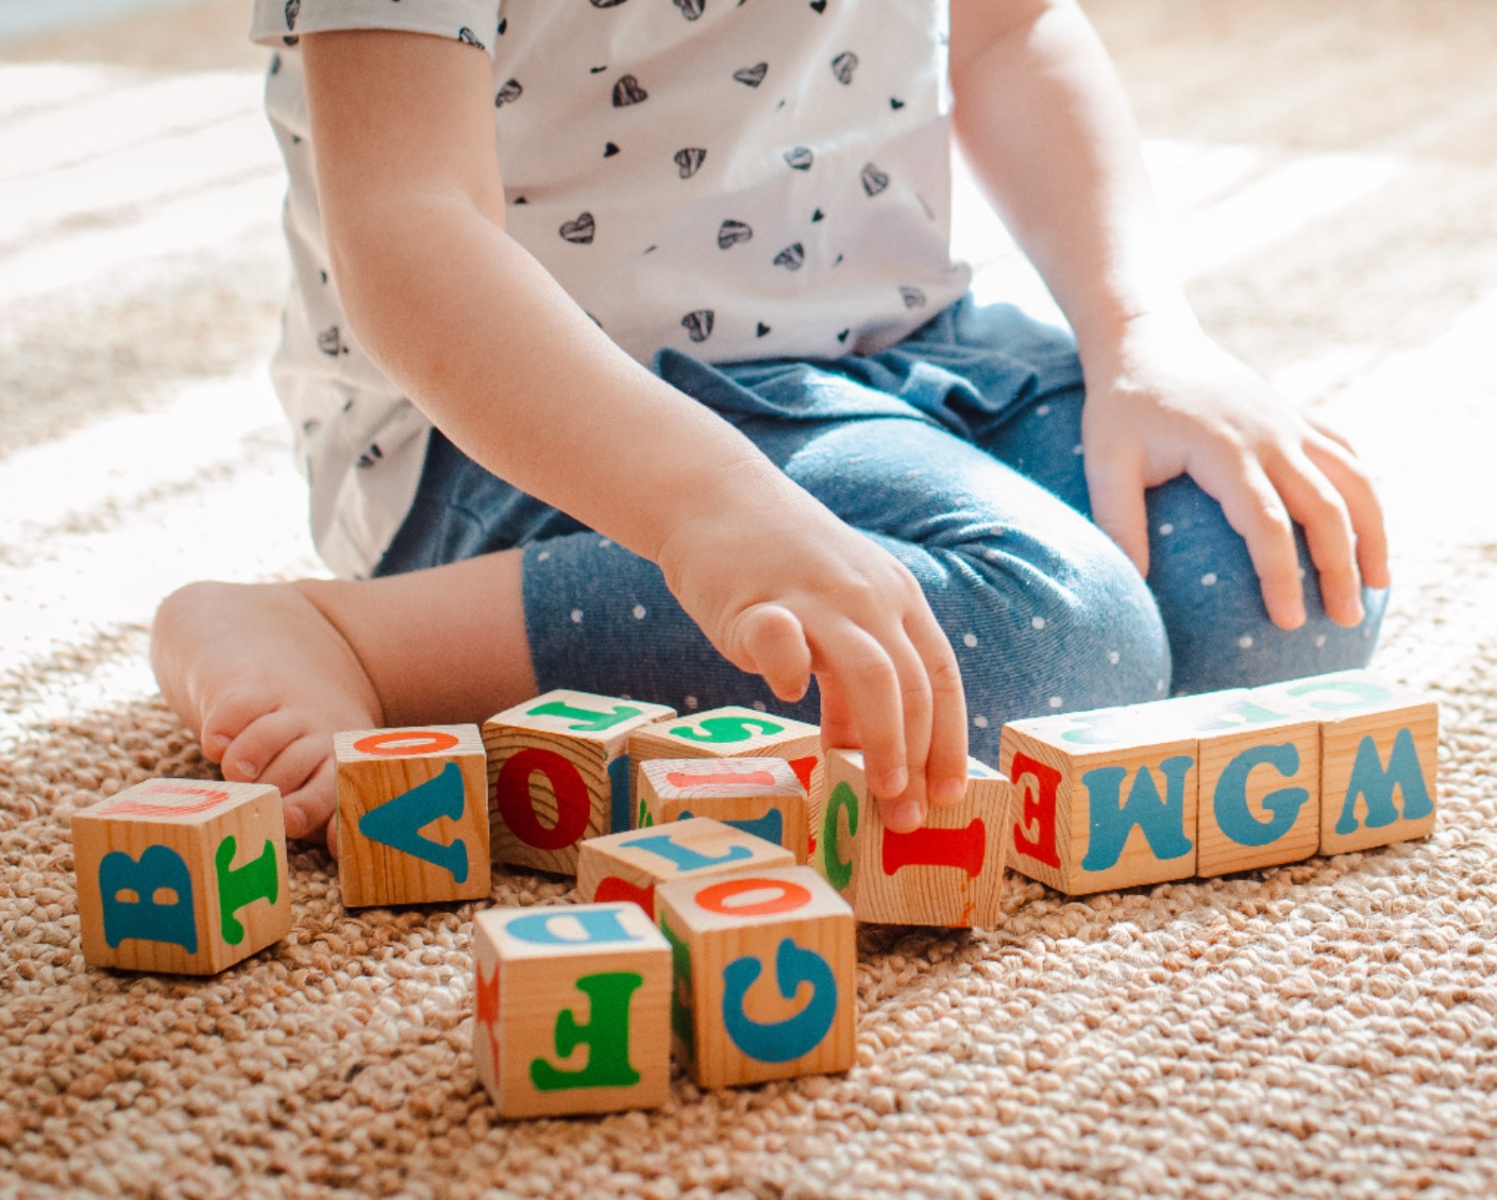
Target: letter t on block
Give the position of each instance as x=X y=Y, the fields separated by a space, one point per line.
x=181 y=875
x=573 y=1009
x=413 y=815
x=559 y=773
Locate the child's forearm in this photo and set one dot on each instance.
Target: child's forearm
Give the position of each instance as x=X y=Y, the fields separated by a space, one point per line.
x=1042 y=119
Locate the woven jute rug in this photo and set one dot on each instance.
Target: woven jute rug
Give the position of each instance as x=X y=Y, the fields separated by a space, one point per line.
x=1327 y=1029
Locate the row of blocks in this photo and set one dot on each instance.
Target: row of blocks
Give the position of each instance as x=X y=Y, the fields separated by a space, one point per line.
x=757 y=981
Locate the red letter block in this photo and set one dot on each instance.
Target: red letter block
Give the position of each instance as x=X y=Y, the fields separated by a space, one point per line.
x=180 y=875
x=949 y=872
x=764 y=975
x=629 y=866
x=413 y=815
x=559 y=773
x=735 y=733
x=761 y=796
x=572 y=1009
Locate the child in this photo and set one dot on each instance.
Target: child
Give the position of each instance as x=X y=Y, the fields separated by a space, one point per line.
x=625 y=341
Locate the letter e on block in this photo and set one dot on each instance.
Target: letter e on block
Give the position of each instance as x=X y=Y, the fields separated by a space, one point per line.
x=764 y=975
x=573 y=1009
x=1104 y=799
x=1379 y=749
x=948 y=872
x=181 y=875
x=559 y=774
x=629 y=866
x=413 y=817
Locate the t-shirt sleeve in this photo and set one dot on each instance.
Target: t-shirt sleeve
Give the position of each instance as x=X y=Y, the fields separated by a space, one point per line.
x=279 y=23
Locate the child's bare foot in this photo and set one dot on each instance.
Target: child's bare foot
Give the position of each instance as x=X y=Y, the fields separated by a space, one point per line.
x=264 y=679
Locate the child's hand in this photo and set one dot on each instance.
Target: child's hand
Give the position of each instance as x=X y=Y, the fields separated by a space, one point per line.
x=783 y=589
x=1171 y=402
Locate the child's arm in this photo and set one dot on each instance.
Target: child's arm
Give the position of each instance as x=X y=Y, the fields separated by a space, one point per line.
x=1042 y=118
x=477 y=334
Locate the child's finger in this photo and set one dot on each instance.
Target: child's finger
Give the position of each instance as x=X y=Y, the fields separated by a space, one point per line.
x=1316 y=506
x=870 y=687
x=1254 y=508
x=946 y=760
x=768 y=639
x=1116 y=490
x=1341 y=467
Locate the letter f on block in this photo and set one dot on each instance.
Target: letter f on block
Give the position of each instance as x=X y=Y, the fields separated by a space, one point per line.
x=606 y=1036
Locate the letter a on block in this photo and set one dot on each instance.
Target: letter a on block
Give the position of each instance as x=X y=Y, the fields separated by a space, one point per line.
x=413 y=815
x=573 y=1009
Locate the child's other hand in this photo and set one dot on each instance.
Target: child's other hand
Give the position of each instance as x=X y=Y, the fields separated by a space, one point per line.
x=785 y=589
x=1170 y=401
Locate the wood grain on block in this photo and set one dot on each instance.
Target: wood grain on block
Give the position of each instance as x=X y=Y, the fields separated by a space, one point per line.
x=1379 y=755
x=558 y=770
x=572 y=1009
x=629 y=866
x=762 y=796
x=181 y=875
x=1105 y=799
x=413 y=820
x=735 y=732
x=765 y=975
x=948 y=872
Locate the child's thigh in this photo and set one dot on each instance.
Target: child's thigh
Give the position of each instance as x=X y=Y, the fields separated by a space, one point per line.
x=1042 y=609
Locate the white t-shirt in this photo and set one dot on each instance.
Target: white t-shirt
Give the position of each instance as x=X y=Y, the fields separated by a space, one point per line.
x=759 y=179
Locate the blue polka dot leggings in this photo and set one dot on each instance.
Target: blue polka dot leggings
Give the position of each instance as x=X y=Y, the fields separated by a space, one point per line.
x=958 y=450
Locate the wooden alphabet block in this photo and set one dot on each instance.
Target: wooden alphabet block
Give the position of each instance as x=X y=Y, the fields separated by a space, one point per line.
x=559 y=773
x=180 y=875
x=573 y=1009
x=764 y=975
x=761 y=796
x=734 y=733
x=413 y=815
x=629 y=866
x=949 y=872
x=1379 y=748
x=1105 y=799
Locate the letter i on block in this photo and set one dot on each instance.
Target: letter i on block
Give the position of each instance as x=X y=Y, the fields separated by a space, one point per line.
x=1379 y=745
x=1104 y=799
x=629 y=866
x=573 y=1009
x=178 y=875
x=559 y=773
x=734 y=733
x=413 y=815
x=764 y=975
x=948 y=872
x=761 y=796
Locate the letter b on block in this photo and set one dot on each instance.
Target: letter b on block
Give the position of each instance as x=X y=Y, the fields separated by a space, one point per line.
x=764 y=975
x=179 y=875
x=413 y=817
x=572 y=1009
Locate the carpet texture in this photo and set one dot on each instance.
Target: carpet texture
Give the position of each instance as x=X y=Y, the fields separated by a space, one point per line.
x=1327 y=1029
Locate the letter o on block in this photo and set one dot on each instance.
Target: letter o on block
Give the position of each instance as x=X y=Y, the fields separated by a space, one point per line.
x=764 y=967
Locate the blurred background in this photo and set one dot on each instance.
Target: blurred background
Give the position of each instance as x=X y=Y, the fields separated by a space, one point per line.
x=1331 y=167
